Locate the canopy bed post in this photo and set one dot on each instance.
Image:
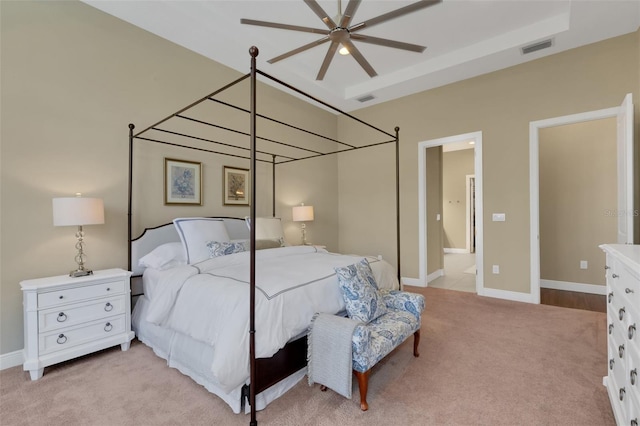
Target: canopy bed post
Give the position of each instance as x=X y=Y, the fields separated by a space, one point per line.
x=129 y=209
x=253 y=51
x=273 y=191
x=397 y=129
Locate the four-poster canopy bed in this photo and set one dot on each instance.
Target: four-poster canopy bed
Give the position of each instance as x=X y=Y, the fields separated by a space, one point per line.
x=187 y=350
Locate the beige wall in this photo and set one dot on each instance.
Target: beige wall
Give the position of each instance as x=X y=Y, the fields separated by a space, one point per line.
x=501 y=105
x=72 y=78
x=434 y=198
x=578 y=184
x=456 y=166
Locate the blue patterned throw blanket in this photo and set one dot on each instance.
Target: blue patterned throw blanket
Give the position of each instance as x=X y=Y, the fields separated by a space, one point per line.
x=329 y=352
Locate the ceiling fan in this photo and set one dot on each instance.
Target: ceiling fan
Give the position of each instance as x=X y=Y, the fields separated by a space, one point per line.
x=342 y=33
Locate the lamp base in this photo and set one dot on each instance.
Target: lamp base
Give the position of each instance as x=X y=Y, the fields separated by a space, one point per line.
x=80 y=273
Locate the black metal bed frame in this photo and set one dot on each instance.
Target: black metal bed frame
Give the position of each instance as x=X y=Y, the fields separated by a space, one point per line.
x=286 y=359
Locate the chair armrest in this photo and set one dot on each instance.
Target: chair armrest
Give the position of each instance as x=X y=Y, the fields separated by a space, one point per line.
x=405 y=301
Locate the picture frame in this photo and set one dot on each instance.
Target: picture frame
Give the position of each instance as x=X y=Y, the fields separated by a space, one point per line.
x=236 y=188
x=182 y=182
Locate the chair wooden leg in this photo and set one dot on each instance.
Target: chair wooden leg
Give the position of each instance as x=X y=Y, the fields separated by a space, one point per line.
x=416 y=342
x=363 y=384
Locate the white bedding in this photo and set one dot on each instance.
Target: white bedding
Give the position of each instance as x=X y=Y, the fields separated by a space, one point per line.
x=209 y=301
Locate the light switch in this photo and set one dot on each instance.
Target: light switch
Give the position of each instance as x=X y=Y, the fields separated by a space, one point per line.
x=438 y=216
x=499 y=217
x=584 y=264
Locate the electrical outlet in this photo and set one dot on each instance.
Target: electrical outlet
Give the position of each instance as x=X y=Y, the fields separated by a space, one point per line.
x=499 y=217
x=584 y=264
x=496 y=269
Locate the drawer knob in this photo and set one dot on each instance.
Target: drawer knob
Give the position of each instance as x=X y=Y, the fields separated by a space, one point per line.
x=108 y=327
x=634 y=422
x=615 y=276
x=628 y=290
x=108 y=307
x=609 y=297
x=622 y=393
x=621 y=313
x=632 y=330
x=610 y=328
x=612 y=362
x=633 y=376
x=621 y=350
x=62 y=317
x=109 y=289
x=61 y=297
x=607 y=267
x=61 y=339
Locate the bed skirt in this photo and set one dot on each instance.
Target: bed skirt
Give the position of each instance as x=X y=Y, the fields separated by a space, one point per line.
x=192 y=358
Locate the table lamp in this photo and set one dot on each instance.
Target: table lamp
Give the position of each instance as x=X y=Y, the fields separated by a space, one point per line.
x=303 y=214
x=78 y=211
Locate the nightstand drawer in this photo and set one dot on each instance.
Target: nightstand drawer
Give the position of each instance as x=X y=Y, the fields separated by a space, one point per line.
x=67 y=316
x=67 y=338
x=61 y=297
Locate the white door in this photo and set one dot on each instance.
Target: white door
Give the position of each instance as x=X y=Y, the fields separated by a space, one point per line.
x=625 y=210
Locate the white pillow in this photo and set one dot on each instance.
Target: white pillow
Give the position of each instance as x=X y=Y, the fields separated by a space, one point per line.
x=196 y=232
x=164 y=256
x=267 y=228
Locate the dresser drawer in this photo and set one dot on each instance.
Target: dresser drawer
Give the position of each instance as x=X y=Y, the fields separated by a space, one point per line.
x=623 y=281
x=67 y=316
x=74 y=336
x=62 y=297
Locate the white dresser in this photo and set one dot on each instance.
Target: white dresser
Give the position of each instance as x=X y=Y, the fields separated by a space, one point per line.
x=67 y=317
x=623 y=326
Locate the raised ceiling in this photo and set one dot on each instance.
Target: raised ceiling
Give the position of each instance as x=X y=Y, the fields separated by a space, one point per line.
x=464 y=38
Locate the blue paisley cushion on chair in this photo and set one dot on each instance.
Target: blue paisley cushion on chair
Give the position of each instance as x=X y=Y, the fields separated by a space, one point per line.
x=360 y=292
x=222 y=248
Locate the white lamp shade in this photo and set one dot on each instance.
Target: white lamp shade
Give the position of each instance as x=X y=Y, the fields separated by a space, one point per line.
x=75 y=211
x=303 y=213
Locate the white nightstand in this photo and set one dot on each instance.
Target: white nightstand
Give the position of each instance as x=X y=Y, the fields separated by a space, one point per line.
x=67 y=317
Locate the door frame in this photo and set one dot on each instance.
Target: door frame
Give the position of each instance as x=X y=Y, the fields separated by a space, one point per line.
x=534 y=182
x=422 y=280
x=470 y=210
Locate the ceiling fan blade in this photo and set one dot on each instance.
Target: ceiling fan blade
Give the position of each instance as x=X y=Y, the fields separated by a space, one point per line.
x=358 y=57
x=388 y=43
x=299 y=49
x=394 y=14
x=318 y=10
x=283 y=26
x=327 y=60
x=352 y=6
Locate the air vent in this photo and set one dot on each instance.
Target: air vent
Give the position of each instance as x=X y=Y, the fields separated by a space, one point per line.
x=537 y=46
x=366 y=98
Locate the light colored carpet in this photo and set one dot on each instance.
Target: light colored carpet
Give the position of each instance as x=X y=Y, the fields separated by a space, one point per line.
x=483 y=362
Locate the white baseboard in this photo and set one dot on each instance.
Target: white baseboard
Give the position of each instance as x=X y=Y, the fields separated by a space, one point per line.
x=456 y=250
x=434 y=275
x=570 y=286
x=12 y=359
x=415 y=282
x=515 y=296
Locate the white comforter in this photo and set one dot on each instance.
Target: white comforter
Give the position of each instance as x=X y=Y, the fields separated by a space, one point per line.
x=210 y=301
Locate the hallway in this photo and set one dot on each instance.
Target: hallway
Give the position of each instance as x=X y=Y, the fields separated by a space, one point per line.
x=459 y=273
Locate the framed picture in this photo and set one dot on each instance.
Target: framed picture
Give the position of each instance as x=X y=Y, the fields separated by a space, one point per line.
x=236 y=186
x=182 y=182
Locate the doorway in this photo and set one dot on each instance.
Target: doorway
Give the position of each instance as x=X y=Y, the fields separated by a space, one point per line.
x=429 y=272
x=624 y=137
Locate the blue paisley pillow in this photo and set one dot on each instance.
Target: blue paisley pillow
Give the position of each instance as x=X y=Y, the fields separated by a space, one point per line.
x=221 y=248
x=360 y=292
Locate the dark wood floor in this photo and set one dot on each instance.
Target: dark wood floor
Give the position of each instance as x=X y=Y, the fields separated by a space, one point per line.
x=572 y=299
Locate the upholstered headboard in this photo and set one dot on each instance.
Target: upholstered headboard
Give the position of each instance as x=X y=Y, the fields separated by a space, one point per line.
x=167 y=233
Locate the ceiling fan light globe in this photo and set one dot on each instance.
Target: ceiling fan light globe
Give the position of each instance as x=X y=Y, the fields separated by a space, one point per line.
x=343 y=51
